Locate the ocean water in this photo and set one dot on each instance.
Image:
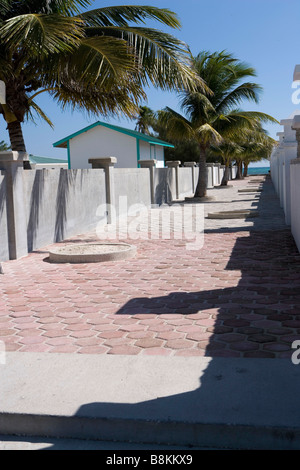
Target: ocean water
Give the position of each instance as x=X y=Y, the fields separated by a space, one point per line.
x=264 y=170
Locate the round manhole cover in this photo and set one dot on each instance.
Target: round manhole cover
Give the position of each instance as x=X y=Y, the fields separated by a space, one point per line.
x=91 y=252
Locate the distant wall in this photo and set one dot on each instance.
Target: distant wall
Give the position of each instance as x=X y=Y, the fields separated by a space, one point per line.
x=295 y=200
x=54 y=204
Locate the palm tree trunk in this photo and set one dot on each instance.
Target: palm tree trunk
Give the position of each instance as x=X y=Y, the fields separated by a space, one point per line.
x=17 y=140
x=245 y=169
x=225 y=178
x=202 y=178
x=239 y=173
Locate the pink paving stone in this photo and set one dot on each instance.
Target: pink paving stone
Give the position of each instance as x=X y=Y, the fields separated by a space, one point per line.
x=62 y=341
x=198 y=316
x=112 y=342
x=65 y=349
x=82 y=334
x=189 y=352
x=125 y=321
x=244 y=346
x=111 y=334
x=222 y=353
x=93 y=350
x=231 y=337
x=206 y=322
x=55 y=333
x=49 y=326
x=130 y=328
x=11 y=347
x=191 y=329
x=124 y=350
x=144 y=316
x=29 y=332
x=160 y=328
x=148 y=343
x=77 y=327
x=266 y=324
x=139 y=334
x=210 y=345
x=179 y=344
x=290 y=338
x=168 y=335
x=99 y=320
x=277 y=347
x=259 y=354
x=36 y=348
x=157 y=352
x=7 y=332
x=32 y=340
x=24 y=313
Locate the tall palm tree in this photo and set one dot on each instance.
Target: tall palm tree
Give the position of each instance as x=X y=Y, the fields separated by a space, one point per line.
x=98 y=60
x=229 y=151
x=258 y=146
x=146 y=119
x=212 y=115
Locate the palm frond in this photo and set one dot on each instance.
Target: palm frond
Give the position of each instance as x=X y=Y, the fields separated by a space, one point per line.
x=123 y=15
x=40 y=34
x=40 y=114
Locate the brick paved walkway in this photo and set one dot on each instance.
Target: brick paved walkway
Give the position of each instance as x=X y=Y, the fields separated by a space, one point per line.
x=238 y=296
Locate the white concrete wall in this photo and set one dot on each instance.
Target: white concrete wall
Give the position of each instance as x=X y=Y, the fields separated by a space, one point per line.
x=62 y=203
x=185 y=182
x=4 y=251
x=280 y=166
x=103 y=142
x=295 y=200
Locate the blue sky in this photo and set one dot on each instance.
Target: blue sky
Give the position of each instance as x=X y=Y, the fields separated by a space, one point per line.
x=263 y=33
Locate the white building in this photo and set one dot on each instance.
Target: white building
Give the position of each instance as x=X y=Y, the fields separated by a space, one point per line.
x=106 y=140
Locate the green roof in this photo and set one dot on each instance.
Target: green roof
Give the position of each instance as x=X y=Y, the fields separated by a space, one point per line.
x=45 y=160
x=138 y=135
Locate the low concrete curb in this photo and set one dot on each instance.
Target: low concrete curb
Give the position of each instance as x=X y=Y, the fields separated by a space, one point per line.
x=237 y=214
x=204 y=402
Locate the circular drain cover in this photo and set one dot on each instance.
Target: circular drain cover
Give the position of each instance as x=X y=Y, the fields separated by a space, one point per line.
x=238 y=214
x=91 y=252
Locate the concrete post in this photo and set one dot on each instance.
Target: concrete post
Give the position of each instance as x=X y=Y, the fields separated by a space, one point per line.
x=218 y=165
x=211 y=183
x=296 y=127
x=11 y=163
x=175 y=164
x=151 y=164
x=107 y=164
x=192 y=166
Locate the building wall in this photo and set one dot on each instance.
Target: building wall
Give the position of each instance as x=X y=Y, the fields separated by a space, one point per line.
x=152 y=152
x=103 y=142
x=4 y=251
x=295 y=200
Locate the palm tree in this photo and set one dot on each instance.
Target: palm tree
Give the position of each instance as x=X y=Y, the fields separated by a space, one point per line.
x=257 y=147
x=4 y=146
x=229 y=150
x=98 y=60
x=212 y=116
x=145 y=120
